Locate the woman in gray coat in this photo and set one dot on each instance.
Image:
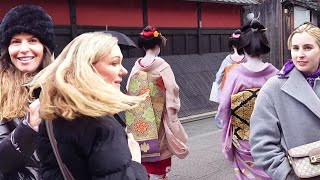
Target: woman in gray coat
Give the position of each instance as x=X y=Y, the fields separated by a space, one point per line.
x=287 y=110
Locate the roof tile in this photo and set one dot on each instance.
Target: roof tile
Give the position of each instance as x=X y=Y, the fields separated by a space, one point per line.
x=312 y=4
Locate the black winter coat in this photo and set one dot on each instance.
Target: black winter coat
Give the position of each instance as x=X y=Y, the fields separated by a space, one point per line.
x=17 y=145
x=91 y=148
x=18 y=141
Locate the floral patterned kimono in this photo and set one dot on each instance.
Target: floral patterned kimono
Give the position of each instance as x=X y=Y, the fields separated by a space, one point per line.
x=171 y=136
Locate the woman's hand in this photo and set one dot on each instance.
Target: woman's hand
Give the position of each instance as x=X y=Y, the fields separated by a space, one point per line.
x=34 y=118
x=134 y=148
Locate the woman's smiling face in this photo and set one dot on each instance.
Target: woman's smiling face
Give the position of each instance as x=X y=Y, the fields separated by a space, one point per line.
x=305 y=52
x=26 y=52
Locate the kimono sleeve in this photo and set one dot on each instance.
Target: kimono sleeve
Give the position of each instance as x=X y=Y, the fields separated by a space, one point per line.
x=172 y=93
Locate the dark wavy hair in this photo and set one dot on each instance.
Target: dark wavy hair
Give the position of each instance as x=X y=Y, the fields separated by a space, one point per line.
x=150 y=37
x=253 y=39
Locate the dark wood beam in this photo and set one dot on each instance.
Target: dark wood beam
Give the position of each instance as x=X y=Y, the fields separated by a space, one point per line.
x=73 y=18
x=199 y=15
x=145 y=12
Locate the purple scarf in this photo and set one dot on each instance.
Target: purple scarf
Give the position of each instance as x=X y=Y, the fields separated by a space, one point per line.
x=311 y=77
x=288 y=66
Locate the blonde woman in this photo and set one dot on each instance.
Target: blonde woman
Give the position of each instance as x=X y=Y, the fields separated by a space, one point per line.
x=286 y=113
x=80 y=93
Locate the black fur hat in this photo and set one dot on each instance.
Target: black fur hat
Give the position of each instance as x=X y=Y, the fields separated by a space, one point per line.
x=29 y=19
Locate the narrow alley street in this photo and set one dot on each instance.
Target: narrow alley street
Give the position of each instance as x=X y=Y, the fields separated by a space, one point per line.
x=205 y=161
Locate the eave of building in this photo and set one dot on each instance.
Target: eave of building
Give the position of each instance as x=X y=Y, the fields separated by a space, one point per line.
x=310 y=4
x=237 y=2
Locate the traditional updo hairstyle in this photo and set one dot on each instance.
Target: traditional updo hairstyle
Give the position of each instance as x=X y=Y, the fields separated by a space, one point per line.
x=253 y=39
x=150 y=37
x=234 y=38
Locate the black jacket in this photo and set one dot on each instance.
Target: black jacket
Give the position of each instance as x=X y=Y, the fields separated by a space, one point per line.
x=91 y=148
x=18 y=141
x=17 y=145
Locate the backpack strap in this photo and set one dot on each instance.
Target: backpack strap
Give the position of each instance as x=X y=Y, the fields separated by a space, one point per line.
x=63 y=168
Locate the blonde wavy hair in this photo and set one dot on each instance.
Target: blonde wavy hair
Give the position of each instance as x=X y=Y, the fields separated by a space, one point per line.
x=309 y=28
x=71 y=86
x=14 y=98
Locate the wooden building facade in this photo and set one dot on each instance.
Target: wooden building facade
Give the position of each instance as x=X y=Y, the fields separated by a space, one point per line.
x=281 y=17
x=191 y=27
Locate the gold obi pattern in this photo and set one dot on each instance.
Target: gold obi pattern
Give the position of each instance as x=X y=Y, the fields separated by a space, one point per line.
x=242 y=104
x=144 y=121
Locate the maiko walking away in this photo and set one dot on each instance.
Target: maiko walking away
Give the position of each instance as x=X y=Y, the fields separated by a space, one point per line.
x=239 y=91
x=158 y=115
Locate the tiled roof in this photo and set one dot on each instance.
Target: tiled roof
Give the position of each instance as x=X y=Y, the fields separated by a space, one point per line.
x=312 y=4
x=240 y=2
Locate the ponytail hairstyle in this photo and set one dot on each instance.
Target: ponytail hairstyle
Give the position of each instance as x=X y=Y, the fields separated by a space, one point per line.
x=253 y=39
x=234 y=38
x=150 y=37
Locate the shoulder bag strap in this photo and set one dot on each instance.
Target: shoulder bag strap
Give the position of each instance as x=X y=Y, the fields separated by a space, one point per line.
x=63 y=168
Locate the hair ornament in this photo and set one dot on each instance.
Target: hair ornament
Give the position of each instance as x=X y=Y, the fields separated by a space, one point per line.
x=254 y=29
x=263 y=30
x=156 y=34
x=251 y=17
x=151 y=33
x=235 y=36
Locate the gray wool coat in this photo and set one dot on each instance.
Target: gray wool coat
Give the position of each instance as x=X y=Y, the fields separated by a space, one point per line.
x=286 y=115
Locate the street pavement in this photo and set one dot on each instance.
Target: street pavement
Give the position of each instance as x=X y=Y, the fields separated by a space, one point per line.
x=205 y=161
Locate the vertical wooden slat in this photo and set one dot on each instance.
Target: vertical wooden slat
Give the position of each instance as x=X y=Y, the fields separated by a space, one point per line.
x=210 y=44
x=281 y=35
x=186 y=43
x=220 y=37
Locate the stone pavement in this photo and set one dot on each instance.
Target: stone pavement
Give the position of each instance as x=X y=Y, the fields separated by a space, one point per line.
x=197 y=117
x=205 y=161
